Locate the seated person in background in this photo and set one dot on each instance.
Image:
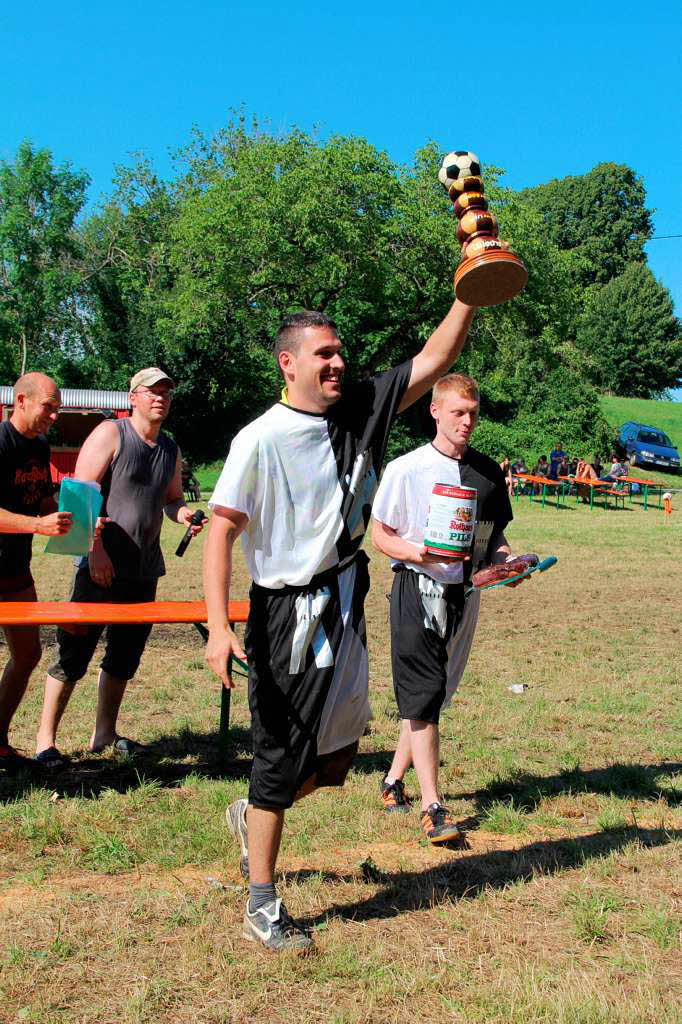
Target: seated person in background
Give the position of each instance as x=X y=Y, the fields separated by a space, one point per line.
x=616 y=470
x=541 y=467
x=520 y=468
x=563 y=469
x=555 y=457
x=190 y=484
x=573 y=467
x=505 y=466
x=597 y=465
x=584 y=471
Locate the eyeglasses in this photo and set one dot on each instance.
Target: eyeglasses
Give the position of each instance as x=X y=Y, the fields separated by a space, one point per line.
x=161 y=393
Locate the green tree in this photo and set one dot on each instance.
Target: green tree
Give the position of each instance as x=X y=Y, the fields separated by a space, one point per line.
x=600 y=216
x=39 y=273
x=630 y=337
x=197 y=274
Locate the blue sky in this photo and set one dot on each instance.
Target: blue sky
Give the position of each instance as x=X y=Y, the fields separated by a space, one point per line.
x=540 y=94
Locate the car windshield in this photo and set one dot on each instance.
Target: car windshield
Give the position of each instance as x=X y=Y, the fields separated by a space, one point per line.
x=654 y=437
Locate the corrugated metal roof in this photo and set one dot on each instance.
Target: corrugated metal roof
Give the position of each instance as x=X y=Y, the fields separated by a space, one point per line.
x=79 y=398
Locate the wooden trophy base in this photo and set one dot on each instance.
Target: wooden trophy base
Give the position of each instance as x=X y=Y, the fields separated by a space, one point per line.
x=489 y=279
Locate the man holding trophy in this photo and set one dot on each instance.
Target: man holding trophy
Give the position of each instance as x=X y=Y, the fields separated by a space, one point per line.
x=439 y=514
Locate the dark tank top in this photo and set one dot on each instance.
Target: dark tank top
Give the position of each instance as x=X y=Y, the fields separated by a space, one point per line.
x=134 y=491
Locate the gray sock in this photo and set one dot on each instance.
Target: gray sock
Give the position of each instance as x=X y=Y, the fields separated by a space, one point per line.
x=260 y=895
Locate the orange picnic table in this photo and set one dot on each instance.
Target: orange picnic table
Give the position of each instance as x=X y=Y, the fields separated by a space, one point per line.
x=68 y=613
x=645 y=485
x=543 y=482
x=600 y=486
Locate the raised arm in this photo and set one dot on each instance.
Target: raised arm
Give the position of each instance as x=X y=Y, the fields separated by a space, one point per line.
x=226 y=525
x=439 y=352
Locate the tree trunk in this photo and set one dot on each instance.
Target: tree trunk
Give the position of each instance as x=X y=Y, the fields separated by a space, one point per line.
x=23 y=353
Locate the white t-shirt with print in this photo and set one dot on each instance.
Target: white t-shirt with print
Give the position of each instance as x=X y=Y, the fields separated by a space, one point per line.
x=402 y=502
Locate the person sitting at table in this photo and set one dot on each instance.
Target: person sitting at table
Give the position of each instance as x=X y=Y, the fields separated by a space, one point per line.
x=584 y=471
x=190 y=484
x=597 y=465
x=573 y=467
x=541 y=467
x=616 y=470
x=520 y=469
x=563 y=469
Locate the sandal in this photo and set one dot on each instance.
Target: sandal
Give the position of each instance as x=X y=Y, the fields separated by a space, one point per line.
x=52 y=759
x=128 y=748
x=123 y=747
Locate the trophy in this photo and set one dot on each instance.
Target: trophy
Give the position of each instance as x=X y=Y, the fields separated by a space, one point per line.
x=488 y=273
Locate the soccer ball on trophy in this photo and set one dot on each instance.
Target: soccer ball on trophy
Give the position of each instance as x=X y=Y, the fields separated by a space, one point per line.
x=458 y=165
x=488 y=273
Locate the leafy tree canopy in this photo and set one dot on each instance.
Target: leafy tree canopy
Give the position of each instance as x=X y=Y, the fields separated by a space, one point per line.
x=39 y=272
x=599 y=216
x=630 y=338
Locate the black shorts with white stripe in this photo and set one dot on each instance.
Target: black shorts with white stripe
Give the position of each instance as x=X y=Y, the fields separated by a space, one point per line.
x=425 y=616
x=308 y=675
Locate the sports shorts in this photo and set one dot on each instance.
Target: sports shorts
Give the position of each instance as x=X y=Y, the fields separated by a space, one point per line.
x=124 y=644
x=308 y=682
x=432 y=630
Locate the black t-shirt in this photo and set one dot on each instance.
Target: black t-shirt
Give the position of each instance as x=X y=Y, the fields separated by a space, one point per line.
x=493 y=508
x=24 y=484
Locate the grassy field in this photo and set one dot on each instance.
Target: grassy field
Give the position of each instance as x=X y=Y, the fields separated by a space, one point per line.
x=120 y=898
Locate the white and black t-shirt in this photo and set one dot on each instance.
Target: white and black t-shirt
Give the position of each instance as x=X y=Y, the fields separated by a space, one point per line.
x=306 y=481
x=402 y=502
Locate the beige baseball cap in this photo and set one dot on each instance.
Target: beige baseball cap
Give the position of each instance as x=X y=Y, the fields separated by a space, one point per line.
x=148 y=377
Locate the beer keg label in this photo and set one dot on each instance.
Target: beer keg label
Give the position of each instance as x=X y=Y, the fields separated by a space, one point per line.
x=451 y=521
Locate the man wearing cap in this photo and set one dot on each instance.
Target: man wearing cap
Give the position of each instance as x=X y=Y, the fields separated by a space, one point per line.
x=138 y=468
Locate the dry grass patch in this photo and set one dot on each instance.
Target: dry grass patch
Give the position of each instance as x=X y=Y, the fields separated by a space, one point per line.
x=119 y=892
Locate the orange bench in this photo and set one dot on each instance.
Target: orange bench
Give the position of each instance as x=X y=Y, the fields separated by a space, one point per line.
x=68 y=613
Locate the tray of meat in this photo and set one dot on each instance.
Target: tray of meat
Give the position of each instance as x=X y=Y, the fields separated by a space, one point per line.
x=516 y=569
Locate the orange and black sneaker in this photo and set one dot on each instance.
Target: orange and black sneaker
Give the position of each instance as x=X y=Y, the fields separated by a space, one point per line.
x=438 y=826
x=396 y=800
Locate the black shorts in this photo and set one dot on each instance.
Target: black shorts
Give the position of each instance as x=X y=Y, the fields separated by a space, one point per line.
x=124 y=644
x=432 y=629
x=308 y=682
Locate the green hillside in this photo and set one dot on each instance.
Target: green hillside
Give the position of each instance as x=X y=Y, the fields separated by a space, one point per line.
x=666 y=416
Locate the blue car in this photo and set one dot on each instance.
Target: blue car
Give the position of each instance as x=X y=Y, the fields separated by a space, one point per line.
x=649 y=446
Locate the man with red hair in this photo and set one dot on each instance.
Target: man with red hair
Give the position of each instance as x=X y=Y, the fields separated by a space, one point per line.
x=432 y=626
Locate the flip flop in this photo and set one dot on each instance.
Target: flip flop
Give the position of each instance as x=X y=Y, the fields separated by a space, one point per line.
x=51 y=759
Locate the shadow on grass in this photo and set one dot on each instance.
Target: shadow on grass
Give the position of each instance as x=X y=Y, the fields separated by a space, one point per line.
x=467 y=876
x=641 y=781
x=169 y=760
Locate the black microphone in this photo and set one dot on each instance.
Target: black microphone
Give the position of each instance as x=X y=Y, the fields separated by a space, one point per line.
x=197 y=519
